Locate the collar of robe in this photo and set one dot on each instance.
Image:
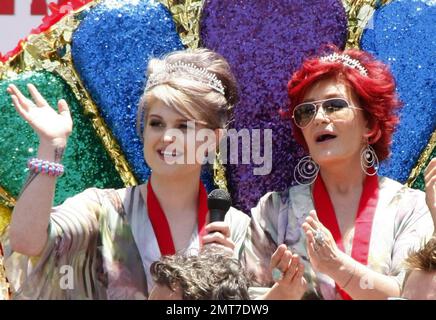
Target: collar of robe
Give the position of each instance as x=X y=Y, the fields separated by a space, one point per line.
x=362 y=225
x=160 y=223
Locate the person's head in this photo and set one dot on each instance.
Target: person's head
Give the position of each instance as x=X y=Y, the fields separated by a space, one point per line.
x=355 y=105
x=187 y=91
x=212 y=275
x=420 y=281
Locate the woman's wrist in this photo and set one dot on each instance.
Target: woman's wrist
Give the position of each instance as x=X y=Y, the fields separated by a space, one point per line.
x=336 y=265
x=52 y=150
x=281 y=292
x=345 y=271
x=350 y=276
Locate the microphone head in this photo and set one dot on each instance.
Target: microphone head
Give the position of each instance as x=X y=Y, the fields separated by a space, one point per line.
x=219 y=199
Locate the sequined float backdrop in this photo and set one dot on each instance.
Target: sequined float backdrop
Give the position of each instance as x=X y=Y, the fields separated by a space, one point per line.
x=426 y=156
x=185 y=14
x=263 y=57
x=402 y=34
x=112 y=64
x=87 y=161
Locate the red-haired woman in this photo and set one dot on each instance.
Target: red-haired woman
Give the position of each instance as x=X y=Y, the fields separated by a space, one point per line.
x=351 y=228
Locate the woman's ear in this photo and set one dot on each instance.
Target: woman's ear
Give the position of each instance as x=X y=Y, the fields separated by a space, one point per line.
x=373 y=132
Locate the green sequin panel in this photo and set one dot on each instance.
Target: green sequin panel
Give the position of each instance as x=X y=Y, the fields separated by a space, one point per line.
x=419 y=182
x=86 y=162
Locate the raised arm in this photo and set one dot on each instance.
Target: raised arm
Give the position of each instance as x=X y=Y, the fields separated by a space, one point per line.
x=30 y=218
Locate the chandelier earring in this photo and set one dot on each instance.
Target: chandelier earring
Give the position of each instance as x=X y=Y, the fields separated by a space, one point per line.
x=306 y=171
x=368 y=160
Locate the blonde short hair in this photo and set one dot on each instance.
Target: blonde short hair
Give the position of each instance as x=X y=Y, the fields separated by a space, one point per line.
x=425 y=258
x=193 y=99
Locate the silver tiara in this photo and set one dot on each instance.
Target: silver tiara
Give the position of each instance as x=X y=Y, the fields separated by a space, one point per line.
x=185 y=70
x=346 y=60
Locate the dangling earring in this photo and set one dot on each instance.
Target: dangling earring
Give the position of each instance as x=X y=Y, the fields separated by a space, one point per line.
x=219 y=172
x=369 y=159
x=306 y=171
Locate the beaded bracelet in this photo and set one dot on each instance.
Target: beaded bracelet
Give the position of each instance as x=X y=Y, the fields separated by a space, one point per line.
x=42 y=166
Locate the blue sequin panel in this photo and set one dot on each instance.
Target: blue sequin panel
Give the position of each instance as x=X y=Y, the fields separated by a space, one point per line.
x=402 y=34
x=111 y=49
x=265 y=42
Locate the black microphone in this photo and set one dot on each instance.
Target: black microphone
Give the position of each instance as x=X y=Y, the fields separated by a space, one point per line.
x=218 y=202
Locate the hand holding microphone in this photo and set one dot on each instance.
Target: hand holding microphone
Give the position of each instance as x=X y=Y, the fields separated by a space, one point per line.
x=218 y=202
x=217 y=230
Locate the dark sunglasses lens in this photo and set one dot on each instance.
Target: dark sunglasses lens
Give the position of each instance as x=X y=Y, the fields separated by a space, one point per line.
x=304 y=113
x=333 y=105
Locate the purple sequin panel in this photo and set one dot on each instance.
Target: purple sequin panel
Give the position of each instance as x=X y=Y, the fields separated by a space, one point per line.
x=265 y=42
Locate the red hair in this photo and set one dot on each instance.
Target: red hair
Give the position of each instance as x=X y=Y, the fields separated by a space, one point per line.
x=375 y=92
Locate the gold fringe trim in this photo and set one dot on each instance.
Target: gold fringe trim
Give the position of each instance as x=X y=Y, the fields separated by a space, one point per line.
x=6 y=199
x=219 y=173
x=424 y=157
x=186 y=14
x=359 y=13
x=5 y=218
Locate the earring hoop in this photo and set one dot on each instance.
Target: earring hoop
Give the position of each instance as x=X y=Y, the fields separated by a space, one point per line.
x=369 y=159
x=306 y=171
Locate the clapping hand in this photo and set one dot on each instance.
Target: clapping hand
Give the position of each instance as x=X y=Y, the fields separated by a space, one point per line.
x=323 y=252
x=288 y=274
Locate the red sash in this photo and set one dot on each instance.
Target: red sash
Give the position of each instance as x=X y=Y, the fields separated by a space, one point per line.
x=160 y=223
x=362 y=225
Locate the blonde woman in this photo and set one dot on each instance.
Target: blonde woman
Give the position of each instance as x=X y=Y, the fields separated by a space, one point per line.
x=100 y=244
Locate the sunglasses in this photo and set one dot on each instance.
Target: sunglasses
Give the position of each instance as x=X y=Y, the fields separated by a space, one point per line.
x=334 y=108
